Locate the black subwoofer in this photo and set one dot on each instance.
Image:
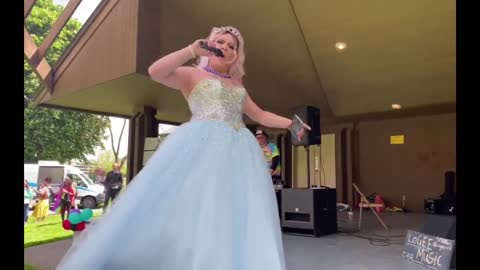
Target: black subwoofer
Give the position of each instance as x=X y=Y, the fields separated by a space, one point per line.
x=309 y=211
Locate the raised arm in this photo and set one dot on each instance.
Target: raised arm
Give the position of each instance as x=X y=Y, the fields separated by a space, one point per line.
x=169 y=71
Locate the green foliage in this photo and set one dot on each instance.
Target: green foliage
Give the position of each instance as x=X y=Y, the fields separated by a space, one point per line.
x=106 y=160
x=51 y=134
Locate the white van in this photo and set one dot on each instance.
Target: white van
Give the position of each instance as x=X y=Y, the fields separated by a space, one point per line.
x=89 y=194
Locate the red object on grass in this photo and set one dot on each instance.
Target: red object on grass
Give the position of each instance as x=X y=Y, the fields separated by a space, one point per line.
x=67 y=225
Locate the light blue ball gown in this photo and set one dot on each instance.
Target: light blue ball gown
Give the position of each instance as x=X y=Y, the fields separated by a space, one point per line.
x=203 y=201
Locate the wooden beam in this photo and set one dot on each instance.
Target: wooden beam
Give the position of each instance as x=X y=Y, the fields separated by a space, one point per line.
x=431 y=109
x=38 y=96
x=27 y=7
x=39 y=65
x=83 y=36
x=57 y=27
x=30 y=49
x=60 y=107
x=44 y=71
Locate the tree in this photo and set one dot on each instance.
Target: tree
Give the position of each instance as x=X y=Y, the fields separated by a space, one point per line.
x=51 y=134
x=115 y=150
x=106 y=160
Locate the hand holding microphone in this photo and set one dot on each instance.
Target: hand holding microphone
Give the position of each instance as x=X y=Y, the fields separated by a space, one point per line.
x=216 y=51
x=201 y=48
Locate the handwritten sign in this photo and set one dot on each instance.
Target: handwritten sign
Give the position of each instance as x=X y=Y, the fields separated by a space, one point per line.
x=431 y=251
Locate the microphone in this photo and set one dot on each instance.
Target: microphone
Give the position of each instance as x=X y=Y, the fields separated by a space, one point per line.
x=217 y=52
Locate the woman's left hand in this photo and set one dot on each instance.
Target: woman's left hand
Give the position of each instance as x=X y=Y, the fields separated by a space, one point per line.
x=301 y=132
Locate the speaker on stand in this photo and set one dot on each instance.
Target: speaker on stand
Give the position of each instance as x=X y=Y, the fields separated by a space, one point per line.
x=310 y=211
x=310 y=116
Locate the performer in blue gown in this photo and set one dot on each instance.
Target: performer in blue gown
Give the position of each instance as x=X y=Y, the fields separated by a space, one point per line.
x=204 y=200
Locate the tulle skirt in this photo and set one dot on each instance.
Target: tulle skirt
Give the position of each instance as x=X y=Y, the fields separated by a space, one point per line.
x=203 y=201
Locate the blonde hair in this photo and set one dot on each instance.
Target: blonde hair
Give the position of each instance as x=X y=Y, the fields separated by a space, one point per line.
x=237 y=69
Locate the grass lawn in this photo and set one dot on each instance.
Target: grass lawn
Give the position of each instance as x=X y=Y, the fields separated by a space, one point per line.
x=29 y=267
x=49 y=230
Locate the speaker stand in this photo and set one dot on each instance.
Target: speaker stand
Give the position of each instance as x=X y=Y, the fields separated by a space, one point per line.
x=307 y=149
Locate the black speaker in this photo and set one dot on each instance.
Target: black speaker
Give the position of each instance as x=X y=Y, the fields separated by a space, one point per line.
x=440 y=206
x=442 y=226
x=446 y=203
x=310 y=116
x=449 y=185
x=309 y=211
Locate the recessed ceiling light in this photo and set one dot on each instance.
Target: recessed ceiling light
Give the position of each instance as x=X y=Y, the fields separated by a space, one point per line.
x=340 y=46
x=396 y=106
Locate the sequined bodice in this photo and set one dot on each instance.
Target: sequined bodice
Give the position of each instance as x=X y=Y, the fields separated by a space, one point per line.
x=212 y=100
